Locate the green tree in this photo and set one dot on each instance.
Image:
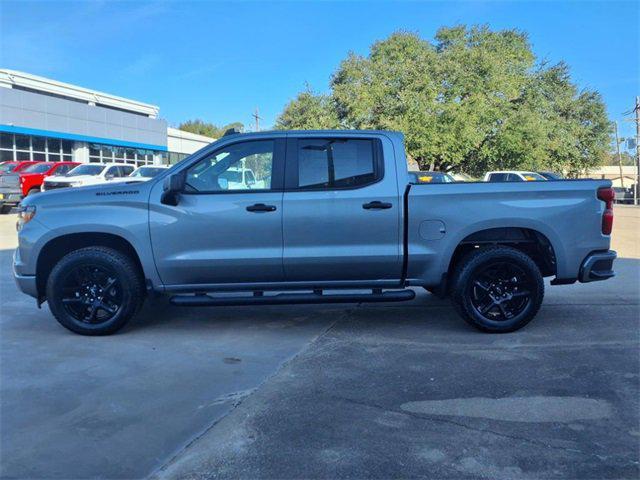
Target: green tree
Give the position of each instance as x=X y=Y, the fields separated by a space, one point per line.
x=207 y=129
x=308 y=111
x=473 y=100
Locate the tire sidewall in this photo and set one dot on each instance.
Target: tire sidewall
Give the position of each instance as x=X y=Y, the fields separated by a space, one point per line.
x=128 y=306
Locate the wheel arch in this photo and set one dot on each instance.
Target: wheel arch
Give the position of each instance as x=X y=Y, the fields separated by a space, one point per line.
x=530 y=241
x=56 y=248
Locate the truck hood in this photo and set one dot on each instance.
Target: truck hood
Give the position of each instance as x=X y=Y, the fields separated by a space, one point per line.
x=90 y=196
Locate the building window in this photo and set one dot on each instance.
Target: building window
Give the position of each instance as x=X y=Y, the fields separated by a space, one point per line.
x=171 y=158
x=25 y=147
x=108 y=153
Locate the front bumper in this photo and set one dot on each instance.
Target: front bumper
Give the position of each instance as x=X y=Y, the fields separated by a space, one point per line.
x=26 y=283
x=597 y=266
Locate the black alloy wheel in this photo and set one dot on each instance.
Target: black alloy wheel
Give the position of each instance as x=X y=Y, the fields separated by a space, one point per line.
x=500 y=291
x=92 y=293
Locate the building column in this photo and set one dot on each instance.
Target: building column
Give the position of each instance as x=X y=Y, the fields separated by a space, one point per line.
x=157 y=158
x=81 y=152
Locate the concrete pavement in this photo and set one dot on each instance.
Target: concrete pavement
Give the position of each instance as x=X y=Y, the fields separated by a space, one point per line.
x=403 y=390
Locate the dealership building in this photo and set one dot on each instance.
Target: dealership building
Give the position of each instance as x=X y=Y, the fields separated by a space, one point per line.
x=43 y=119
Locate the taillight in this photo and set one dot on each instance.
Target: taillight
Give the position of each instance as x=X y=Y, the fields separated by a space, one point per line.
x=607 y=195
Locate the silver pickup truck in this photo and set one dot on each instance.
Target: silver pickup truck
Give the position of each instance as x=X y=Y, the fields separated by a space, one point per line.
x=331 y=216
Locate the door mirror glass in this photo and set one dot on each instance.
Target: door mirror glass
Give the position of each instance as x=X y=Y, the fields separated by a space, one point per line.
x=223 y=183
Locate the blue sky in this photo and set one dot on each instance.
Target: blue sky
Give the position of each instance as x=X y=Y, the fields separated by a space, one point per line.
x=219 y=60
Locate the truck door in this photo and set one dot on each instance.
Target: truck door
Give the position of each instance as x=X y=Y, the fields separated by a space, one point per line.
x=342 y=210
x=223 y=230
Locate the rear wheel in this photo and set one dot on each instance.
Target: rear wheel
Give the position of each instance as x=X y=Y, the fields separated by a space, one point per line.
x=95 y=290
x=4 y=209
x=497 y=289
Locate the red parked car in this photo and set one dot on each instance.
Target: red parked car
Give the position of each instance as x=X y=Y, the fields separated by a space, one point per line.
x=15 y=186
x=15 y=166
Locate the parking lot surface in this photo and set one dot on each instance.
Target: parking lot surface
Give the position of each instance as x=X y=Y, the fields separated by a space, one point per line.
x=402 y=390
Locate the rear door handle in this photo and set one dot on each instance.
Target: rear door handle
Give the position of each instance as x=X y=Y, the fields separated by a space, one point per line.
x=261 y=207
x=376 y=205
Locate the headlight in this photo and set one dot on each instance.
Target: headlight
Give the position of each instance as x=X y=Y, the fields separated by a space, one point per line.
x=25 y=215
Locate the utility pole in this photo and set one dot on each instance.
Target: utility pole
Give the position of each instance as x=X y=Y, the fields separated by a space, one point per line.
x=257 y=116
x=637 y=109
x=619 y=157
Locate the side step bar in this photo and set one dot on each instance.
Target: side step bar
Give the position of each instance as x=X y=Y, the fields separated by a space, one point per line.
x=291 y=298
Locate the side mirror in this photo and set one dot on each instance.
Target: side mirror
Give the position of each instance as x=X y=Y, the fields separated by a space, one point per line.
x=223 y=183
x=110 y=176
x=172 y=187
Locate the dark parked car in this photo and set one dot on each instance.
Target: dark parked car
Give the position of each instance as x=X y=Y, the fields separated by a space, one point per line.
x=624 y=195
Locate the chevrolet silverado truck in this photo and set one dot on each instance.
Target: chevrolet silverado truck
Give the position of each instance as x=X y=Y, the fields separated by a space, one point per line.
x=15 y=186
x=337 y=219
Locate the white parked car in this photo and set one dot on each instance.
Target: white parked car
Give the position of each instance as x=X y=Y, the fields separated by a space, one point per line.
x=142 y=174
x=88 y=174
x=513 y=176
x=240 y=178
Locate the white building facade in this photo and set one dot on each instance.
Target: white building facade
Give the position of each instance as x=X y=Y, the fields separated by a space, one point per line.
x=46 y=120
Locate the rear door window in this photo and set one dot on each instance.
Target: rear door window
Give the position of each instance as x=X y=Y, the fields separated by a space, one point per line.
x=336 y=163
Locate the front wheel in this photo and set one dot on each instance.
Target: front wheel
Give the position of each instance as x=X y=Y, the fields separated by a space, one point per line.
x=497 y=289
x=95 y=290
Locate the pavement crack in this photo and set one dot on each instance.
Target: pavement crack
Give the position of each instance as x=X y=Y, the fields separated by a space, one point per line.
x=239 y=397
x=430 y=418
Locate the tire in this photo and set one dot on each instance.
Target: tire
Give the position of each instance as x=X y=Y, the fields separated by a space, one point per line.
x=497 y=289
x=4 y=209
x=95 y=290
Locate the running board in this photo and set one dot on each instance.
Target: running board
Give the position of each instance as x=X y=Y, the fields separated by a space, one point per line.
x=291 y=298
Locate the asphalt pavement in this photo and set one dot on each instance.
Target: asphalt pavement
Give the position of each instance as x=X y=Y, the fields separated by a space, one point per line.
x=396 y=390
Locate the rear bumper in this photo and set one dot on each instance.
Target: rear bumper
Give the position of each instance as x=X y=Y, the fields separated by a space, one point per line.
x=597 y=266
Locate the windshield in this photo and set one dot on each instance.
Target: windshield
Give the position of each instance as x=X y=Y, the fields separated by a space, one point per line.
x=86 y=170
x=7 y=167
x=147 y=172
x=38 y=168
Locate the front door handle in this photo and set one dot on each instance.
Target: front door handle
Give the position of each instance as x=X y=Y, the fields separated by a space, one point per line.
x=376 y=205
x=261 y=207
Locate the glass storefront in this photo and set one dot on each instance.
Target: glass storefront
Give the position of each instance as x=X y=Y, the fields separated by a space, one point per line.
x=27 y=147
x=109 y=153
x=171 y=158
